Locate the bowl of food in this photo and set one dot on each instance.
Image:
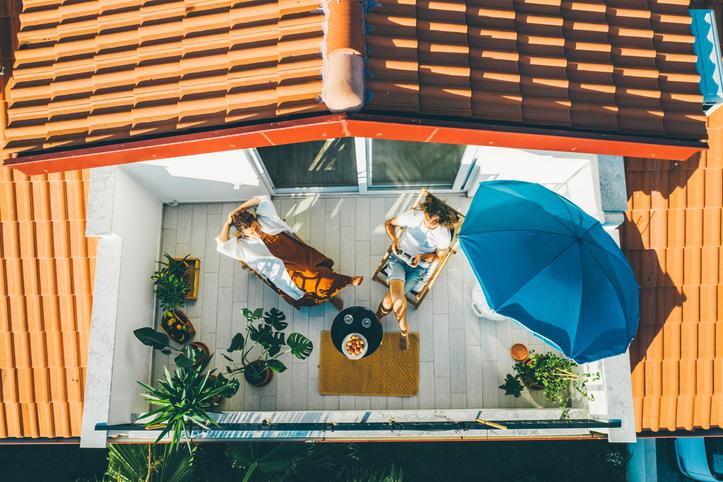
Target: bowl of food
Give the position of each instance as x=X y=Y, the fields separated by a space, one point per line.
x=354 y=346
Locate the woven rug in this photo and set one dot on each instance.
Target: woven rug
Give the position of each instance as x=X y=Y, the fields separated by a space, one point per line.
x=388 y=371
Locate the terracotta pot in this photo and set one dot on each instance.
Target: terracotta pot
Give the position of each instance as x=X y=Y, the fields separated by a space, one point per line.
x=218 y=398
x=202 y=347
x=519 y=352
x=250 y=375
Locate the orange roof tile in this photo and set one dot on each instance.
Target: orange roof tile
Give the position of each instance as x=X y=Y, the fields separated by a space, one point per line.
x=87 y=72
x=582 y=66
x=673 y=239
x=45 y=303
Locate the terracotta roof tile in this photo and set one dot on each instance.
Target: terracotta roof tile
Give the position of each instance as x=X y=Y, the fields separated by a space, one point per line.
x=628 y=69
x=672 y=237
x=45 y=303
x=85 y=72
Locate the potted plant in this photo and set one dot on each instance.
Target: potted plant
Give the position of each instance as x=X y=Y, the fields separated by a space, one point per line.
x=171 y=288
x=186 y=268
x=265 y=331
x=553 y=373
x=161 y=342
x=182 y=400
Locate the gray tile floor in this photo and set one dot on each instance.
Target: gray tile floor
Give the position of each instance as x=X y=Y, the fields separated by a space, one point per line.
x=463 y=359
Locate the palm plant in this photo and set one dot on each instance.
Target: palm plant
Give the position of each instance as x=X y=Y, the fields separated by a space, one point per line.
x=184 y=398
x=148 y=463
x=265 y=331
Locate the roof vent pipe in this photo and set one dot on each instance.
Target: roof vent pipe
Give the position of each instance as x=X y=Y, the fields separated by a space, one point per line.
x=343 y=75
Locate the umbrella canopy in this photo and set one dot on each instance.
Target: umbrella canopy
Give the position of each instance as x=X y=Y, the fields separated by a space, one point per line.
x=544 y=262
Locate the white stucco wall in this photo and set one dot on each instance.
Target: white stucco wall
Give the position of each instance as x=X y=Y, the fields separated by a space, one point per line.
x=215 y=177
x=572 y=175
x=127 y=219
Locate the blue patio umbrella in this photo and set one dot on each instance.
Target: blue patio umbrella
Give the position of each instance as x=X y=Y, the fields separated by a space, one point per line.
x=544 y=262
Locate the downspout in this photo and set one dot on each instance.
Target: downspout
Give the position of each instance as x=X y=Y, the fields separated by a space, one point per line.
x=343 y=49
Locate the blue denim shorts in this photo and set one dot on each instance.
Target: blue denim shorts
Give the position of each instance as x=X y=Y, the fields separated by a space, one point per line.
x=398 y=269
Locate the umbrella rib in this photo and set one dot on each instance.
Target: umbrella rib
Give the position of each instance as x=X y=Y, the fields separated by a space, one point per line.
x=614 y=286
x=562 y=251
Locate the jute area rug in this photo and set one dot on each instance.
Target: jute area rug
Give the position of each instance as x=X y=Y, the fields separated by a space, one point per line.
x=388 y=371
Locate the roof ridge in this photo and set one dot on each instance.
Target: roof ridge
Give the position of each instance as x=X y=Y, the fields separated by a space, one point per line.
x=343 y=48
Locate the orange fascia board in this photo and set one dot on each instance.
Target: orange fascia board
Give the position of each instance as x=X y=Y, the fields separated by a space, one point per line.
x=350 y=125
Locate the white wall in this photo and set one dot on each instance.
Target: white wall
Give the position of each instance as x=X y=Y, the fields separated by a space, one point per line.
x=572 y=175
x=127 y=219
x=214 y=177
x=137 y=220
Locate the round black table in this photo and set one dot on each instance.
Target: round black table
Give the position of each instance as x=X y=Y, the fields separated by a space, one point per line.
x=340 y=328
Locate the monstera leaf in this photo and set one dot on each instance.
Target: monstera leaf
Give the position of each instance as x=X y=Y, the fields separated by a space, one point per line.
x=261 y=334
x=276 y=319
x=237 y=343
x=275 y=344
x=301 y=346
x=276 y=365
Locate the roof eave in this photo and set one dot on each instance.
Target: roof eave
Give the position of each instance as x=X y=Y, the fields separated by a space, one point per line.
x=363 y=124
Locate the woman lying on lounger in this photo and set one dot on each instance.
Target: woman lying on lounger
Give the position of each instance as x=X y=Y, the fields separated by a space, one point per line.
x=267 y=244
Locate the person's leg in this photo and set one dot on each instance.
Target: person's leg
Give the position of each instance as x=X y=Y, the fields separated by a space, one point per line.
x=395 y=271
x=414 y=276
x=399 y=305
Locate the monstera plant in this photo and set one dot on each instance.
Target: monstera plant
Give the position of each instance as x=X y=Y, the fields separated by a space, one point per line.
x=260 y=348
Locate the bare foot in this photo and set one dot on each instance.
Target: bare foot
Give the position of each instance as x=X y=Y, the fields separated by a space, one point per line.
x=404 y=342
x=357 y=280
x=337 y=302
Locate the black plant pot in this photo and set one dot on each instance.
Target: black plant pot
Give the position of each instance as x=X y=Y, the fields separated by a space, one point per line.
x=255 y=377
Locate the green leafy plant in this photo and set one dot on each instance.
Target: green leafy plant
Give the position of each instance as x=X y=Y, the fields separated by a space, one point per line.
x=161 y=342
x=169 y=283
x=149 y=463
x=183 y=399
x=265 y=331
x=554 y=373
x=288 y=461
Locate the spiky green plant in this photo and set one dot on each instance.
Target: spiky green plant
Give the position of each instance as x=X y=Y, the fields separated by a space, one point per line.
x=183 y=399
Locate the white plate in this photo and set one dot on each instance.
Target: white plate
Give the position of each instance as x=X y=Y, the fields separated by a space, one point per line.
x=364 y=348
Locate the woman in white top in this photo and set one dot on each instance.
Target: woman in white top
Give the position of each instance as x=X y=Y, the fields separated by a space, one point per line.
x=426 y=238
x=262 y=240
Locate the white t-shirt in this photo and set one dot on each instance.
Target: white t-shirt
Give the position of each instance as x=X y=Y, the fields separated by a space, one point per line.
x=255 y=253
x=418 y=238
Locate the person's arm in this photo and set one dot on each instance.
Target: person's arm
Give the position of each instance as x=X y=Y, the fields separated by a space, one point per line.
x=224 y=234
x=390 y=227
x=428 y=257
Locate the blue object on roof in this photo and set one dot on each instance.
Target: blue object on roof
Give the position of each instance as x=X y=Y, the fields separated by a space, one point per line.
x=707 y=49
x=544 y=262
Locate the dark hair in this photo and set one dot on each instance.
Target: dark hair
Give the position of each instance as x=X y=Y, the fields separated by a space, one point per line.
x=435 y=208
x=242 y=220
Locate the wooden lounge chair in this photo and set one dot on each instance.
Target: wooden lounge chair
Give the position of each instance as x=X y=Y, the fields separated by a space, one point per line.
x=265 y=280
x=417 y=294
